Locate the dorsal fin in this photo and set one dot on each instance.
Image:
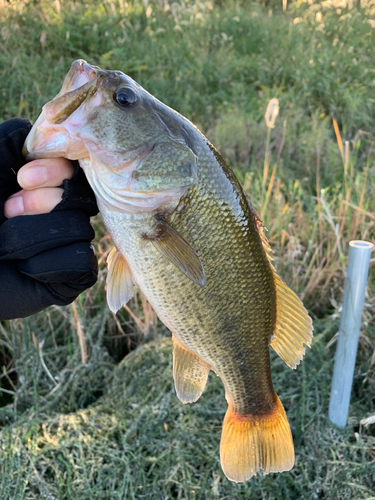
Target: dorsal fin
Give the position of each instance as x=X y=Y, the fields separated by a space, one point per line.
x=260 y=227
x=293 y=327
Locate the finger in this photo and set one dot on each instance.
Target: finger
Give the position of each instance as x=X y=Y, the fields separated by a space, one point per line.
x=45 y=173
x=37 y=201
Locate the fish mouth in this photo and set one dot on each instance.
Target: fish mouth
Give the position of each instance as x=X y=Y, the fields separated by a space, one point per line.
x=79 y=74
x=45 y=139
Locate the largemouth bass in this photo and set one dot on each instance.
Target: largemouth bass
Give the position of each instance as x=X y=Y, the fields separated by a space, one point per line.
x=185 y=233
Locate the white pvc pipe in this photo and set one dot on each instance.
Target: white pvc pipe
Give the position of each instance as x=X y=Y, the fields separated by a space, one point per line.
x=350 y=324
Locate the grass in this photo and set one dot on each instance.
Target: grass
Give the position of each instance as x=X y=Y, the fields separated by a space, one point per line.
x=106 y=430
x=138 y=441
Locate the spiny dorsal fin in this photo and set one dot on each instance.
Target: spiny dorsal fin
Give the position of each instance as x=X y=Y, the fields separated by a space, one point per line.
x=293 y=326
x=260 y=227
x=189 y=372
x=120 y=288
x=179 y=252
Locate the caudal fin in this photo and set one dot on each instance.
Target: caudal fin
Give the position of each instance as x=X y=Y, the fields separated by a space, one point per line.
x=253 y=442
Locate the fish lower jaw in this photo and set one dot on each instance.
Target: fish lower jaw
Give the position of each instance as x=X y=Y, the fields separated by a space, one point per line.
x=47 y=140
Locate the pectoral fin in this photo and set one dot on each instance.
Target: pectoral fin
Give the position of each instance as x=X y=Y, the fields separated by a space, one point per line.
x=189 y=372
x=120 y=287
x=293 y=325
x=173 y=246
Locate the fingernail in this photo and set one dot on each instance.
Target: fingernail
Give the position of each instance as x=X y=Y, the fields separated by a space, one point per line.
x=31 y=177
x=14 y=207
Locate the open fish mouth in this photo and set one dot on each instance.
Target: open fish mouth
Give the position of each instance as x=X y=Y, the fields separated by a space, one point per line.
x=51 y=132
x=79 y=74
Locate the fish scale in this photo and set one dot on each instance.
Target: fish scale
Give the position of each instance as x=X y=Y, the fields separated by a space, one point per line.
x=186 y=235
x=238 y=326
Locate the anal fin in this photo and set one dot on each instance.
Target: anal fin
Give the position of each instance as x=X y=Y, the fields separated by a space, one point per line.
x=120 y=287
x=293 y=325
x=253 y=442
x=189 y=372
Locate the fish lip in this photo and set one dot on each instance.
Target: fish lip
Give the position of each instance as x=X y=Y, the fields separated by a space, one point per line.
x=39 y=156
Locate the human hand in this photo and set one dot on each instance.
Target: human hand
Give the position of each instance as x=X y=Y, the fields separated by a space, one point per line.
x=41 y=181
x=45 y=254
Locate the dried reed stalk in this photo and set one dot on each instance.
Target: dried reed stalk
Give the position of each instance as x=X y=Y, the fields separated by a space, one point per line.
x=80 y=334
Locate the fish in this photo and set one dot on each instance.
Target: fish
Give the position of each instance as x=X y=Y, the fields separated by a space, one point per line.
x=186 y=234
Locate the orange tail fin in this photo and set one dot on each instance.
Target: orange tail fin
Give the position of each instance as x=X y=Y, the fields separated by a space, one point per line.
x=253 y=442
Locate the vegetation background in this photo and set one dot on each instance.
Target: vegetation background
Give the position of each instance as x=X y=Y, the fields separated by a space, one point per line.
x=81 y=419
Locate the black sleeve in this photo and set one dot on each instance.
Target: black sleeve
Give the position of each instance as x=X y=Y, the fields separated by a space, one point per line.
x=44 y=259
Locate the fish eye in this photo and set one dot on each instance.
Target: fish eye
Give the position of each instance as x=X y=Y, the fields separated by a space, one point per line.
x=125 y=97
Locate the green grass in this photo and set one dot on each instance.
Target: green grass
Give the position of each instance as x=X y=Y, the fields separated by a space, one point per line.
x=103 y=430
